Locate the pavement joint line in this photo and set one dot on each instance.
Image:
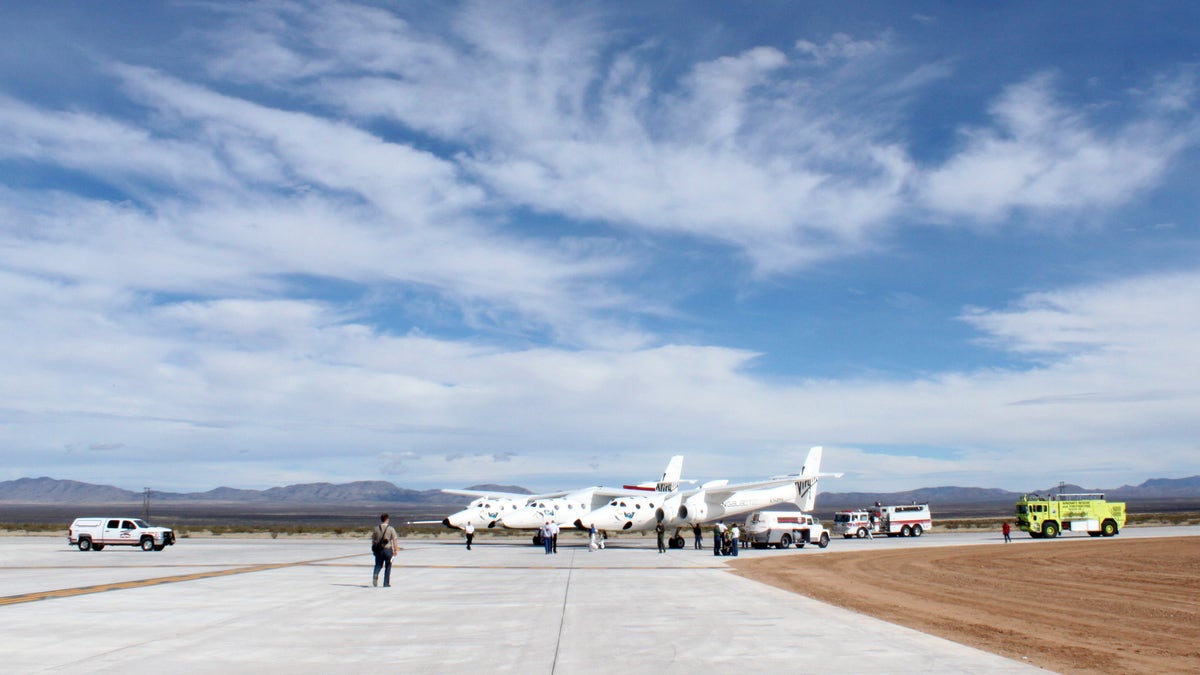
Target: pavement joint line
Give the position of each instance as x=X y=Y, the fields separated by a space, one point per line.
x=562 y=618
x=143 y=583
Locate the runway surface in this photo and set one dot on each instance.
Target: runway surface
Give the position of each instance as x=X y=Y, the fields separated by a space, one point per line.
x=307 y=606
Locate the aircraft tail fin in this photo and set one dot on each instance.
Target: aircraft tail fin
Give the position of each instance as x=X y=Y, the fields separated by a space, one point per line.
x=806 y=486
x=670 y=477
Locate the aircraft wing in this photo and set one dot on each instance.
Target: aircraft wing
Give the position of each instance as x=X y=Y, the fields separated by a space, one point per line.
x=494 y=494
x=719 y=493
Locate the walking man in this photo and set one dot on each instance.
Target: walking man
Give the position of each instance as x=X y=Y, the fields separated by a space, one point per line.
x=547 y=537
x=383 y=545
x=554 y=536
x=1007 y=533
x=470 y=530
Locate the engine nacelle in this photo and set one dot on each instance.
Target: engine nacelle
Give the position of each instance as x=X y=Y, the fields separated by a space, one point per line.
x=693 y=511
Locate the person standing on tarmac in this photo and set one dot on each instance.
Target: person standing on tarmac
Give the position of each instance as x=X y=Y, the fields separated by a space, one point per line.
x=547 y=537
x=470 y=530
x=734 y=534
x=699 y=536
x=718 y=535
x=661 y=532
x=383 y=545
x=1007 y=532
x=554 y=537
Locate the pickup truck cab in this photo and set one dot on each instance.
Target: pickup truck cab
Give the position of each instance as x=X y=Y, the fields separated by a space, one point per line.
x=93 y=534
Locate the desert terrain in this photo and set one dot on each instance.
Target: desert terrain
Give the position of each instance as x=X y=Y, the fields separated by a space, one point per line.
x=1072 y=606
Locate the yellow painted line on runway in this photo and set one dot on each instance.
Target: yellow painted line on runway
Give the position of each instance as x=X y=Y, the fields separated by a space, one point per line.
x=143 y=583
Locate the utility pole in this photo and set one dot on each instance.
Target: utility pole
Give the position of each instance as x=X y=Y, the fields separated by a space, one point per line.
x=145 y=503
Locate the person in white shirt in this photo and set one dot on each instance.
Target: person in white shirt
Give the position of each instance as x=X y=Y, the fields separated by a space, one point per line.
x=554 y=537
x=718 y=535
x=734 y=534
x=470 y=530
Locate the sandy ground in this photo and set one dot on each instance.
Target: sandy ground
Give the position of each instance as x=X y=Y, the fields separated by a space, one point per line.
x=1078 y=606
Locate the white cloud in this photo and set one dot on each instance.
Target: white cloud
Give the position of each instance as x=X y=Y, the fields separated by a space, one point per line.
x=1041 y=155
x=842 y=46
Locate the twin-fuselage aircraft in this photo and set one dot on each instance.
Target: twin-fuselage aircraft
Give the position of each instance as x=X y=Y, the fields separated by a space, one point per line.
x=640 y=507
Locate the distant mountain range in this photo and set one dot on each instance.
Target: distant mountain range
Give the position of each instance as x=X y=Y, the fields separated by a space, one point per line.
x=50 y=490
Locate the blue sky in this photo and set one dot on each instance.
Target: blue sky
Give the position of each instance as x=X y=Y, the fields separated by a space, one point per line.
x=554 y=244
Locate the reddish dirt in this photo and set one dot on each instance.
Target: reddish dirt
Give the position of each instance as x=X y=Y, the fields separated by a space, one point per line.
x=1073 y=606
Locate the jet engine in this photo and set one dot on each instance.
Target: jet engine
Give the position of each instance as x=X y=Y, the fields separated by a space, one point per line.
x=694 y=510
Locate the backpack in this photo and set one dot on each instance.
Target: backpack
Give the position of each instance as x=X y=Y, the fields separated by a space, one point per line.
x=377 y=540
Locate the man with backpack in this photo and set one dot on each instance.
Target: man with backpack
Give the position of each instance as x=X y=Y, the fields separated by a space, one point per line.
x=384 y=546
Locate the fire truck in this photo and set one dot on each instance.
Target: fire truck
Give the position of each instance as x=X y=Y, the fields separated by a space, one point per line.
x=1047 y=517
x=905 y=520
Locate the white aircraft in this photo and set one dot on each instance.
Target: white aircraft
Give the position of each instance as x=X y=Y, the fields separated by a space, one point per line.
x=711 y=501
x=493 y=509
x=488 y=507
x=573 y=506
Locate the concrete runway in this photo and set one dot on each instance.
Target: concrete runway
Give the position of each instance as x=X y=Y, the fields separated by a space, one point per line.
x=307 y=606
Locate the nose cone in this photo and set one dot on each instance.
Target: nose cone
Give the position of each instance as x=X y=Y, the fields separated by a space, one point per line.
x=606 y=516
x=460 y=519
x=522 y=519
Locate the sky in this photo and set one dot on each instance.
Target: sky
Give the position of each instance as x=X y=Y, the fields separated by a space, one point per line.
x=553 y=244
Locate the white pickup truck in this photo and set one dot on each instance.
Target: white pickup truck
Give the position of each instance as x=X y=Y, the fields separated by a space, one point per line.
x=93 y=534
x=783 y=528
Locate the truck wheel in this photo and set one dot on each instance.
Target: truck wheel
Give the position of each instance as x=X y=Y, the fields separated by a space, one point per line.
x=85 y=544
x=785 y=541
x=917 y=530
x=862 y=533
x=824 y=540
x=1108 y=528
x=905 y=531
x=1049 y=530
x=147 y=544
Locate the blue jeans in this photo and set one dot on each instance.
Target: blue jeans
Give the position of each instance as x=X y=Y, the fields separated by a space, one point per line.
x=716 y=543
x=383 y=560
x=735 y=548
x=548 y=542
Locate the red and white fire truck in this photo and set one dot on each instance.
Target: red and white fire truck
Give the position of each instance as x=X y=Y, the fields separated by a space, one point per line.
x=904 y=520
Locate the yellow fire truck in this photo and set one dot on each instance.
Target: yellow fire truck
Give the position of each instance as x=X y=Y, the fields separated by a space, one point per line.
x=1046 y=517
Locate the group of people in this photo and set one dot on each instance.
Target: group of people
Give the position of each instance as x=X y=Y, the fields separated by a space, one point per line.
x=726 y=540
x=550 y=536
